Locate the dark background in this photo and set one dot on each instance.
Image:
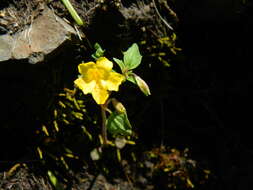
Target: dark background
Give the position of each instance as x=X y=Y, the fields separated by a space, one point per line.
x=208 y=108
x=217 y=38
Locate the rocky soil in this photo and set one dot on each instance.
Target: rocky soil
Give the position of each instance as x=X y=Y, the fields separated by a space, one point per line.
x=201 y=102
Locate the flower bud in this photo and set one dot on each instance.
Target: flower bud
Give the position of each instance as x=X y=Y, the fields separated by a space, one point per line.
x=142 y=85
x=118 y=106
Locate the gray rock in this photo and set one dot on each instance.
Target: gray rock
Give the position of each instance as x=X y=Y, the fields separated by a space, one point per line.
x=6 y=42
x=45 y=34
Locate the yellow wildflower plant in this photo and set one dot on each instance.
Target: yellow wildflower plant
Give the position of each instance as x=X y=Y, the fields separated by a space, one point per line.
x=98 y=79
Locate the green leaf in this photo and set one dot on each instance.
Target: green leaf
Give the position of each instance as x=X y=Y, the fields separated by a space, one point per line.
x=99 y=51
x=131 y=79
x=53 y=179
x=120 y=64
x=118 y=124
x=132 y=57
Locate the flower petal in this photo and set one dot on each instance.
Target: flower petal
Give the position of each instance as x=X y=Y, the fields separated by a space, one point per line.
x=84 y=67
x=98 y=79
x=84 y=86
x=100 y=94
x=113 y=81
x=104 y=63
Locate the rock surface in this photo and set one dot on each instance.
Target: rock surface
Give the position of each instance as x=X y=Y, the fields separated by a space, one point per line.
x=46 y=33
x=6 y=42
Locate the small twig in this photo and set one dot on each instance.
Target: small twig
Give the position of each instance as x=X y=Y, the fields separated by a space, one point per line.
x=78 y=33
x=164 y=21
x=91 y=9
x=171 y=12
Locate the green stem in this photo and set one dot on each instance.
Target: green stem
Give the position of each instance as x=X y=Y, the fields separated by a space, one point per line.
x=73 y=12
x=104 y=132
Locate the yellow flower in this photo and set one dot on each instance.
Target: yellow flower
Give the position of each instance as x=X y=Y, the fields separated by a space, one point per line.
x=98 y=79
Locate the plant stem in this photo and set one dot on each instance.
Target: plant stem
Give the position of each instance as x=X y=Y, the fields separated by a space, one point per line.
x=104 y=131
x=73 y=12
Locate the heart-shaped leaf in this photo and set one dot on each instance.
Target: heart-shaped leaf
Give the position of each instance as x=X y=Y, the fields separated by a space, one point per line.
x=132 y=57
x=118 y=124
